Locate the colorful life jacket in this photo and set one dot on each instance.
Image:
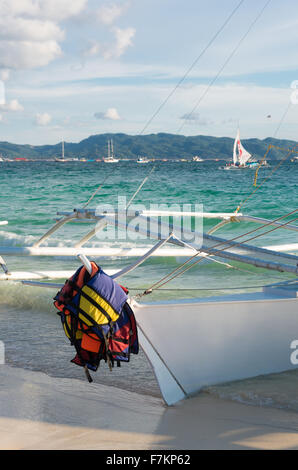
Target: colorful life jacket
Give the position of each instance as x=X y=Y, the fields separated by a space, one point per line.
x=97 y=319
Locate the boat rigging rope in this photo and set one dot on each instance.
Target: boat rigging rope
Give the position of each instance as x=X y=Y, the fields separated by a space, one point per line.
x=224 y=64
x=252 y=238
x=270 y=146
x=192 y=66
x=176 y=272
x=282 y=119
x=132 y=198
x=227 y=265
x=175 y=289
x=97 y=190
x=140 y=187
x=290 y=152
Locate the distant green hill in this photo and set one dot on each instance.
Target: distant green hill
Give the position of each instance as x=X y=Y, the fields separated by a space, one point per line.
x=152 y=146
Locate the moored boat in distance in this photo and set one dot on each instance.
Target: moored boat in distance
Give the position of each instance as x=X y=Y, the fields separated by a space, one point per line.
x=196 y=158
x=143 y=160
x=110 y=158
x=62 y=158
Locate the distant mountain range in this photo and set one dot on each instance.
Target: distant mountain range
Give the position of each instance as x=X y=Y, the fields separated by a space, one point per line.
x=157 y=146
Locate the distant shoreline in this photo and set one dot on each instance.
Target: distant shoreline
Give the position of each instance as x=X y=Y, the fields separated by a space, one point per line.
x=131 y=160
x=159 y=146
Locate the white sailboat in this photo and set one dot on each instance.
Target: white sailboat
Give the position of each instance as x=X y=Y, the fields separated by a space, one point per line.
x=241 y=156
x=62 y=159
x=110 y=158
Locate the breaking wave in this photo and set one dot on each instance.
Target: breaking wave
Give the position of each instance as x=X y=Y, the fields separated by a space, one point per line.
x=15 y=294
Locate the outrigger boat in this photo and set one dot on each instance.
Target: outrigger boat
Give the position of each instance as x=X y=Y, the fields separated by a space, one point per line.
x=198 y=342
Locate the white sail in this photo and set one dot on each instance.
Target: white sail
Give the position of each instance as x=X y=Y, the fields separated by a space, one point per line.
x=235 y=156
x=244 y=155
x=240 y=154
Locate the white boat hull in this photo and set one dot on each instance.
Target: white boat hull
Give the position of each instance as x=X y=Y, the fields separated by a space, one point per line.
x=198 y=343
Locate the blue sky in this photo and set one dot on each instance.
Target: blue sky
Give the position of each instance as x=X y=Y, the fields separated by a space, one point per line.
x=73 y=68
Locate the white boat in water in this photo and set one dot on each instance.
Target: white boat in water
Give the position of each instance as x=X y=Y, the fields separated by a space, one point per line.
x=196 y=158
x=110 y=158
x=241 y=156
x=143 y=160
x=61 y=159
x=200 y=342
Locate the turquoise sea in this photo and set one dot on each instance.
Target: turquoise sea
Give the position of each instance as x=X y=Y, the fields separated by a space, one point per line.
x=33 y=192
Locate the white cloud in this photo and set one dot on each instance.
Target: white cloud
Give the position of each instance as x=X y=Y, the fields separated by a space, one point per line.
x=13 y=106
x=123 y=39
x=30 y=31
x=27 y=54
x=4 y=75
x=43 y=119
x=2 y=93
x=93 y=49
x=107 y=14
x=26 y=29
x=196 y=118
x=57 y=10
x=111 y=113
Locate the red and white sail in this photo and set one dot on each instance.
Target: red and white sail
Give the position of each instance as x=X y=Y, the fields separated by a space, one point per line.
x=240 y=155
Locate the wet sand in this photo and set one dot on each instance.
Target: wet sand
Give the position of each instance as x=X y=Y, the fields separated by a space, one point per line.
x=39 y=412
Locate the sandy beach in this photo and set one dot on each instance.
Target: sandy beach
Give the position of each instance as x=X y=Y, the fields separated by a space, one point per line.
x=38 y=412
